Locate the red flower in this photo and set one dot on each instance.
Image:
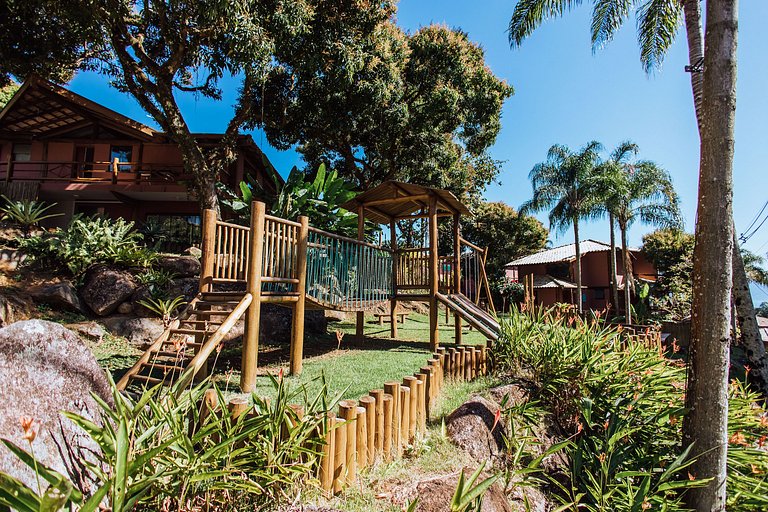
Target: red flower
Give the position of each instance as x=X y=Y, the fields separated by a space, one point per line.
x=496 y=418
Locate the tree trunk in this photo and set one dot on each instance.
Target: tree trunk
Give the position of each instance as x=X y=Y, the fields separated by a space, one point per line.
x=742 y=298
x=614 y=277
x=750 y=332
x=578 y=264
x=706 y=424
x=628 y=280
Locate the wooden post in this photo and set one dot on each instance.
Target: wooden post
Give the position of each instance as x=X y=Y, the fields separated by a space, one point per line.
x=405 y=414
x=237 y=407
x=378 y=438
x=456 y=273
x=393 y=389
x=361 y=423
x=421 y=417
x=460 y=358
x=369 y=403
x=115 y=169
x=208 y=248
x=339 y=456
x=393 y=300
x=297 y=330
x=451 y=363
x=251 y=336
x=410 y=383
x=326 y=462
x=9 y=167
x=388 y=403
x=434 y=274
x=428 y=381
x=360 y=323
x=348 y=411
x=472 y=362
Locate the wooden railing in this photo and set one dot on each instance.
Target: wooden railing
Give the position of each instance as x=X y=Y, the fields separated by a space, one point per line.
x=113 y=171
x=278 y=268
x=231 y=252
x=413 y=268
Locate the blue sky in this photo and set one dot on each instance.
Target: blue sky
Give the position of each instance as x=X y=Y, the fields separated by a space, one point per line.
x=566 y=94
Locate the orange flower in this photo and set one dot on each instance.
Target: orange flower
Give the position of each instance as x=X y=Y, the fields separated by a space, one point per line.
x=756 y=470
x=30 y=426
x=645 y=505
x=764 y=421
x=691 y=477
x=496 y=418
x=738 y=438
x=602 y=458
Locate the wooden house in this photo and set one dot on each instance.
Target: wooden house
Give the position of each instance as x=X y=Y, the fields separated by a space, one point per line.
x=58 y=146
x=554 y=273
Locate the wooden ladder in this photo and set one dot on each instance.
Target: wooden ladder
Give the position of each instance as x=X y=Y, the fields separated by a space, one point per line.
x=181 y=352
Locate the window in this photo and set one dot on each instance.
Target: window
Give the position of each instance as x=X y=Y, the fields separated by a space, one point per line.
x=172 y=233
x=123 y=154
x=22 y=152
x=599 y=293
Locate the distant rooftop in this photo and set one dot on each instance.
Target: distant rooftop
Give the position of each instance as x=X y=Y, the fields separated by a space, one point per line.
x=563 y=253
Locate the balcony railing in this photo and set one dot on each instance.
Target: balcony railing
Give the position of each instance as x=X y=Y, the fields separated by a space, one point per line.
x=91 y=172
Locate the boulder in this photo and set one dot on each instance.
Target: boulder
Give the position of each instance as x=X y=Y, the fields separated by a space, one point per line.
x=106 y=288
x=182 y=266
x=276 y=323
x=46 y=369
x=435 y=494
x=125 y=308
x=188 y=287
x=471 y=428
x=61 y=294
x=14 y=306
x=10 y=259
x=195 y=252
x=88 y=330
x=139 y=331
x=510 y=394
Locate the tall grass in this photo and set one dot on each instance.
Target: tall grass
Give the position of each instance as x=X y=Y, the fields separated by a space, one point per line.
x=618 y=404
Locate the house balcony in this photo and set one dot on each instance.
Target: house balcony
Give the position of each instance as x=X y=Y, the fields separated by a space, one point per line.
x=104 y=172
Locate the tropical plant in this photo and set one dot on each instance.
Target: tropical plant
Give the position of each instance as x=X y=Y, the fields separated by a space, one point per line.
x=86 y=241
x=162 y=451
x=164 y=308
x=511 y=291
x=319 y=198
x=158 y=281
x=753 y=266
x=26 y=212
x=618 y=403
x=468 y=496
x=563 y=184
x=717 y=268
x=635 y=191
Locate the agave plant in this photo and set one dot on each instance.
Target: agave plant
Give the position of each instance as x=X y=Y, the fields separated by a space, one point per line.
x=28 y=213
x=164 y=308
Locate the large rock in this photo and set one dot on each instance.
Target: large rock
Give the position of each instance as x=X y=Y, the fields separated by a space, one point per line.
x=188 y=287
x=137 y=330
x=106 y=288
x=471 y=427
x=46 y=369
x=61 y=294
x=182 y=266
x=435 y=494
x=276 y=322
x=14 y=306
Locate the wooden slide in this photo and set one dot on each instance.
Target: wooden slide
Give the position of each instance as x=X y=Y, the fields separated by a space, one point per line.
x=471 y=313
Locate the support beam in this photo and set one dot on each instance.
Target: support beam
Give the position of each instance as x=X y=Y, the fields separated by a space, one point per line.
x=434 y=275
x=360 y=322
x=251 y=336
x=456 y=274
x=297 y=330
x=207 y=248
x=393 y=300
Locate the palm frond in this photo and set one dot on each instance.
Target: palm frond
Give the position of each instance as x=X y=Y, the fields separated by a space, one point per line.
x=607 y=18
x=529 y=14
x=657 y=24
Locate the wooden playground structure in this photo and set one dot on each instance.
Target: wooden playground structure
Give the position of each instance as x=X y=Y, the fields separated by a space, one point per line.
x=296 y=265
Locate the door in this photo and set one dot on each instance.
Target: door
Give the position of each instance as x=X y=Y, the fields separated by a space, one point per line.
x=83 y=162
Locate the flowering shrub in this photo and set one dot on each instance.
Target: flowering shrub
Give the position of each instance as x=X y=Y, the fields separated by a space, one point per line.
x=619 y=405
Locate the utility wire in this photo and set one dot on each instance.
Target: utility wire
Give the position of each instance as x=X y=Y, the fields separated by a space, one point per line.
x=744 y=236
x=756 y=217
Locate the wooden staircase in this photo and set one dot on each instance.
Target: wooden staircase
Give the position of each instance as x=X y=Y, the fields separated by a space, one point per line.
x=181 y=352
x=472 y=313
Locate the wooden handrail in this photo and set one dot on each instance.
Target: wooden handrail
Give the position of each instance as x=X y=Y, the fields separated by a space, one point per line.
x=282 y=221
x=347 y=239
x=473 y=246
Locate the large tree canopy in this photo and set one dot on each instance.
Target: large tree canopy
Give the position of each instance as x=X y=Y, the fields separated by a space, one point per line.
x=420 y=107
x=506 y=233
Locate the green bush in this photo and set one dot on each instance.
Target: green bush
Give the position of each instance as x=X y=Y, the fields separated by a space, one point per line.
x=152 y=459
x=89 y=240
x=619 y=405
x=27 y=213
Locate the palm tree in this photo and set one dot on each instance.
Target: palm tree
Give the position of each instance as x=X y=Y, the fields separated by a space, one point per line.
x=643 y=192
x=606 y=174
x=718 y=267
x=562 y=185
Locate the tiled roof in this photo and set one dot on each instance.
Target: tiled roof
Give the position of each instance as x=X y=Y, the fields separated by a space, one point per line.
x=547 y=281
x=564 y=253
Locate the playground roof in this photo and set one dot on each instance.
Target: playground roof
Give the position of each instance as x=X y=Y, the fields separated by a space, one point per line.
x=397 y=200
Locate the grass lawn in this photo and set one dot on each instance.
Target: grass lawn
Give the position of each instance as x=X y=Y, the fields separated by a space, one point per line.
x=355 y=367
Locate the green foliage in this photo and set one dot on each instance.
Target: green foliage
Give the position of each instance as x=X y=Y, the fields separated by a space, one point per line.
x=6 y=93
x=657 y=23
x=619 y=405
x=379 y=103
x=27 y=213
x=318 y=197
x=164 y=308
x=468 y=496
x=671 y=252
x=753 y=266
x=87 y=241
x=762 y=310
x=158 y=281
x=506 y=233
x=151 y=459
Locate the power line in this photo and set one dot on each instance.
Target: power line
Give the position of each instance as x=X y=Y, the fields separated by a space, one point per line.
x=746 y=237
x=756 y=217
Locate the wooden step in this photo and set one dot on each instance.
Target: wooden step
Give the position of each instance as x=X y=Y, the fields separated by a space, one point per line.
x=216 y=303
x=163 y=366
x=146 y=378
x=212 y=313
x=164 y=353
x=190 y=331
